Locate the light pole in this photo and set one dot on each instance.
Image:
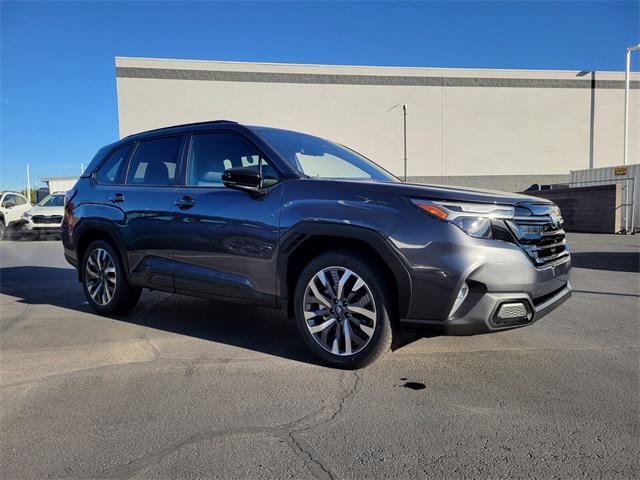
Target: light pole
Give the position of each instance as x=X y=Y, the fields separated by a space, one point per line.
x=28 y=184
x=404 y=111
x=626 y=101
x=404 y=130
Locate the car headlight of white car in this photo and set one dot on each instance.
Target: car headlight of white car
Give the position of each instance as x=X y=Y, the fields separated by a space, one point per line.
x=26 y=216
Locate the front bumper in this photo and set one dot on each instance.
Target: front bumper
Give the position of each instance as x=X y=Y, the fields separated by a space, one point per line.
x=495 y=271
x=480 y=314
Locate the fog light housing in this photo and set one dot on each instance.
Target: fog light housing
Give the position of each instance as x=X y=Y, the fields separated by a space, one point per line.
x=513 y=313
x=462 y=294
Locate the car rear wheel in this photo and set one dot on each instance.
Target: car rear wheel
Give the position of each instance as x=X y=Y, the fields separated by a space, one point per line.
x=3 y=230
x=104 y=281
x=342 y=309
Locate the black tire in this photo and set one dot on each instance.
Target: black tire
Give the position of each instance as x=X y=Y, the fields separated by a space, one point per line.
x=379 y=342
x=124 y=296
x=3 y=230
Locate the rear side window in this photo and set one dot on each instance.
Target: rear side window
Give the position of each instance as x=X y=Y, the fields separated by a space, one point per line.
x=20 y=200
x=110 y=170
x=9 y=199
x=154 y=162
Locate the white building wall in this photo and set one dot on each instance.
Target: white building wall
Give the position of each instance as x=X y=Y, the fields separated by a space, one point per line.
x=61 y=184
x=551 y=122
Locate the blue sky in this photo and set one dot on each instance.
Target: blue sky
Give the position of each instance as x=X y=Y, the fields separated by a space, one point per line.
x=57 y=59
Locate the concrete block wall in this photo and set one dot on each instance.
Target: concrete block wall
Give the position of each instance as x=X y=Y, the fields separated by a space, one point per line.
x=588 y=209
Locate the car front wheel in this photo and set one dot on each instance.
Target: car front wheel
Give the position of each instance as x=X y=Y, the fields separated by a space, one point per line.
x=343 y=309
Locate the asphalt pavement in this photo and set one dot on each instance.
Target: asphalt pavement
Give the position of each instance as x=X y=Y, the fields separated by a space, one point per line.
x=189 y=388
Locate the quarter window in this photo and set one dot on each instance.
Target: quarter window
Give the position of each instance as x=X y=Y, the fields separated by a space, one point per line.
x=211 y=154
x=110 y=170
x=154 y=162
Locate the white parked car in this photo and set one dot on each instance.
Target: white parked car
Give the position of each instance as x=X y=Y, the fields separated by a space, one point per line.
x=46 y=216
x=12 y=207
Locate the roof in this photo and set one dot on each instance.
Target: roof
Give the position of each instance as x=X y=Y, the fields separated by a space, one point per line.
x=178 y=128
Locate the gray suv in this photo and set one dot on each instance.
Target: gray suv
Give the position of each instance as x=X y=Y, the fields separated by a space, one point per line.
x=281 y=219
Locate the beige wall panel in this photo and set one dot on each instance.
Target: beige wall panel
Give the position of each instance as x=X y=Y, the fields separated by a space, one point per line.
x=357 y=116
x=609 y=127
x=499 y=131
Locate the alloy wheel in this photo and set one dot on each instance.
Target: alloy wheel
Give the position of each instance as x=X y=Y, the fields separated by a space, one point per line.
x=339 y=311
x=100 y=276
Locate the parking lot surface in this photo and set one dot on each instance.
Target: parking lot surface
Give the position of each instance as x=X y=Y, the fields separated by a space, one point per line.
x=186 y=388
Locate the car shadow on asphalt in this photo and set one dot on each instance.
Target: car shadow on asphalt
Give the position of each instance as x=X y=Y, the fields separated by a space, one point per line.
x=259 y=329
x=613 y=261
x=14 y=235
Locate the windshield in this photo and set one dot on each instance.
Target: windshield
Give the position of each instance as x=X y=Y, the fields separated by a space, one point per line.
x=315 y=157
x=52 y=201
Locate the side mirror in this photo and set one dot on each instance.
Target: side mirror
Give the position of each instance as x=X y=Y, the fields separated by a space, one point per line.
x=245 y=179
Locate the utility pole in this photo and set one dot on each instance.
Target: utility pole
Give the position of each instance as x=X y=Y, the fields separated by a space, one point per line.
x=81 y=168
x=404 y=110
x=28 y=184
x=626 y=101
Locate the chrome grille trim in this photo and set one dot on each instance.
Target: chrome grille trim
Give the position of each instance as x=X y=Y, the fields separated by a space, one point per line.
x=550 y=245
x=543 y=260
x=540 y=236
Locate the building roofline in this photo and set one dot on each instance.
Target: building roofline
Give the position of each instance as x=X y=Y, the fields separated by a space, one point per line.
x=48 y=179
x=390 y=67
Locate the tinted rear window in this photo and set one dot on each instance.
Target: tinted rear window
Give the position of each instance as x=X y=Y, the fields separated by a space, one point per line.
x=154 y=162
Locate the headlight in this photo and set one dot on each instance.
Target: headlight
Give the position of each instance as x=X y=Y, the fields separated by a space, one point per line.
x=474 y=219
x=478 y=227
x=26 y=216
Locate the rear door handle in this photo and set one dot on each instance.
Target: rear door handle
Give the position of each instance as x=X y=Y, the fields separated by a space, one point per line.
x=185 y=202
x=116 y=198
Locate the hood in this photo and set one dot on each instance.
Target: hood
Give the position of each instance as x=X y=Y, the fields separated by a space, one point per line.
x=442 y=192
x=48 y=211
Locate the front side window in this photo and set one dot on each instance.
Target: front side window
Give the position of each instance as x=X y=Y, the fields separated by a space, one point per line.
x=52 y=201
x=315 y=157
x=110 y=170
x=210 y=154
x=154 y=162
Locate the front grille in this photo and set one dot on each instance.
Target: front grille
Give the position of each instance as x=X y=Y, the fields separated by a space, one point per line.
x=540 y=235
x=46 y=219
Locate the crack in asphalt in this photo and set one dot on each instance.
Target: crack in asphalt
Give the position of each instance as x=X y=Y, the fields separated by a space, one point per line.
x=304 y=451
x=8 y=324
x=285 y=432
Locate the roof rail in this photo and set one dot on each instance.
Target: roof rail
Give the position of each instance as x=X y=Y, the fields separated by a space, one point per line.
x=181 y=125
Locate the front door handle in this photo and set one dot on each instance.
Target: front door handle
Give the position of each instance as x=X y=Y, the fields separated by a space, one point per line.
x=185 y=202
x=116 y=198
